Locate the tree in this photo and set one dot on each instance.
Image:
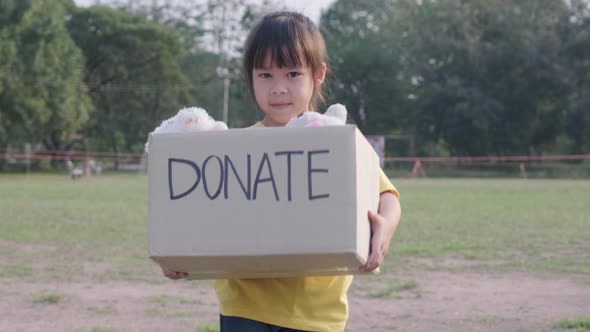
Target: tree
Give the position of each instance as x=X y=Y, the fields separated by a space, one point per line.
x=364 y=44
x=489 y=73
x=42 y=96
x=479 y=77
x=577 y=37
x=212 y=32
x=133 y=74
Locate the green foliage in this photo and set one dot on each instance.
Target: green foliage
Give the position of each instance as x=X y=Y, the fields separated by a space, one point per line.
x=206 y=88
x=489 y=74
x=212 y=34
x=464 y=77
x=482 y=77
x=42 y=96
x=576 y=52
x=364 y=45
x=132 y=71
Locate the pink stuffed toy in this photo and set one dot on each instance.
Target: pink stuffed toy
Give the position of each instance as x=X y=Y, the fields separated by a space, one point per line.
x=189 y=119
x=334 y=116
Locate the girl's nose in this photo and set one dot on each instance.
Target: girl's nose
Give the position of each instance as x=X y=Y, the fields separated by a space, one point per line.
x=278 y=89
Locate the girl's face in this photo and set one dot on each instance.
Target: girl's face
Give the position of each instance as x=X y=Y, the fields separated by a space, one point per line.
x=284 y=93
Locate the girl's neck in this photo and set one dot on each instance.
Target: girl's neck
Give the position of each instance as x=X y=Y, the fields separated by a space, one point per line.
x=269 y=123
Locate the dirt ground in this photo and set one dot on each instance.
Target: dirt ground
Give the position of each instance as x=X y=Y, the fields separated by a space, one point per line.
x=427 y=301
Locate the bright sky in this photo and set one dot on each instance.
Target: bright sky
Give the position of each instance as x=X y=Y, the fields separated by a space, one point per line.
x=311 y=8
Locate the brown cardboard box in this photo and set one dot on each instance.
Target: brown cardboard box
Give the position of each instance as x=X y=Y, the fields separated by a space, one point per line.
x=266 y=202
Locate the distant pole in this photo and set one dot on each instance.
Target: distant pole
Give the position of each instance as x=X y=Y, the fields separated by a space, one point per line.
x=222 y=68
x=224 y=73
x=155 y=11
x=225 y=98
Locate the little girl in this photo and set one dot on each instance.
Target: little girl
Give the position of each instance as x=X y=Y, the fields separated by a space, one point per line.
x=285 y=65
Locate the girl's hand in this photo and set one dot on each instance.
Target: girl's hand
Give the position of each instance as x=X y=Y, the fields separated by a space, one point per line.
x=173 y=274
x=383 y=227
x=379 y=242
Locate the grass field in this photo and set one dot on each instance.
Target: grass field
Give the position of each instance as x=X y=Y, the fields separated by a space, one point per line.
x=98 y=219
x=458 y=225
x=521 y=224
x=515 y=224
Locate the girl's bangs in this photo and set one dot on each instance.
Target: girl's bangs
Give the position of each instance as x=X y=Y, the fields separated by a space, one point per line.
x=283 y=44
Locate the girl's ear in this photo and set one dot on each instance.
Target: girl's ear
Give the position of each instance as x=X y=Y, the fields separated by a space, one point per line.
x=320 y=74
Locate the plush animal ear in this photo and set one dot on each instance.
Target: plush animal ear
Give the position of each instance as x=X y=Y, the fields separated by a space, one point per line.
x=337 y=111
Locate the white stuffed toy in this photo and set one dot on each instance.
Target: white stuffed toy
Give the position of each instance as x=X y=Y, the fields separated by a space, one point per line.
x=334 y=116
x=189 y=119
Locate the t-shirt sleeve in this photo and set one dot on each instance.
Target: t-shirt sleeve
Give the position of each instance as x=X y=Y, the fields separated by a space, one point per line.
x=385 y=185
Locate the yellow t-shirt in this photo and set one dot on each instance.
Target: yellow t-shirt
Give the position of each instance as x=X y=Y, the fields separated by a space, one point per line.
x=303 y=303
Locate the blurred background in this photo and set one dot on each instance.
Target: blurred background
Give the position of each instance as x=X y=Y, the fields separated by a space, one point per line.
x=441 y=88
x=493 y=93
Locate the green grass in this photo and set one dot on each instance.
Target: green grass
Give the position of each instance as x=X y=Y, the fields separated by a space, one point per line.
x=513 y=224
x=393 y=288
x=15 y=271
x=103 y=211
x=163 y=300
x=166 y=313
x=581 y=324
x=48 y=298
x=101 y=219
x=51 y=226
x=102 y=329
x=208 y=327
x=102 y=310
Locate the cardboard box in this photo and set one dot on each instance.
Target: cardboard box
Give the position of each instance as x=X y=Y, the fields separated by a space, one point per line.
x=265 y=202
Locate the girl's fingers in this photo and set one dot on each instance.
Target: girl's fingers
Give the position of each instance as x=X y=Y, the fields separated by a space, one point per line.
x=175 y=275
x=376 y=254
x=373 y=262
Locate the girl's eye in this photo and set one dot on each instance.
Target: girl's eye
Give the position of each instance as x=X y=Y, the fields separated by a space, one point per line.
x=293 y=74
x=264 y=75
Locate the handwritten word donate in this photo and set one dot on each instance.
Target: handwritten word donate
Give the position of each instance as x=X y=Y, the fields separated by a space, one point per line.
x=215 y=173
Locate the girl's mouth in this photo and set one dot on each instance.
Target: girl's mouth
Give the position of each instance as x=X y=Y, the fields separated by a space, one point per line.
x=280 y=105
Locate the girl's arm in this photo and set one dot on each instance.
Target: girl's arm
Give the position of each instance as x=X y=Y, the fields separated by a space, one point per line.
x=383 y=227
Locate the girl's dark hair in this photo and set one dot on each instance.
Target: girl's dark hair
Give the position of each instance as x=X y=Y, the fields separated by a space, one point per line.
x=290 y=39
